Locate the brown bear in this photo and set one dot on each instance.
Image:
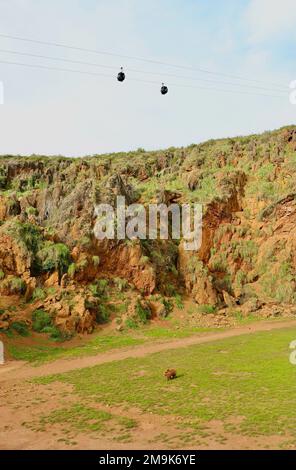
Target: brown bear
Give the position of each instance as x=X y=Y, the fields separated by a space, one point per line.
x=170 y=374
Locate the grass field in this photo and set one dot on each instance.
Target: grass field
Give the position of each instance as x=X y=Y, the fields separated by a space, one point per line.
x=39 y=350
x=246 y=382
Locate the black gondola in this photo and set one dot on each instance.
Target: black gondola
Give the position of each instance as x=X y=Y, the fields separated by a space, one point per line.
x=164 y=89
x=121 y=76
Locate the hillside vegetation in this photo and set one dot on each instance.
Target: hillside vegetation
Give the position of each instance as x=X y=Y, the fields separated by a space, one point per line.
x=57 y=279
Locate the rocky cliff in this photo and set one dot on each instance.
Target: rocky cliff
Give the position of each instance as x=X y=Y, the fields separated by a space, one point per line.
x=51 y=261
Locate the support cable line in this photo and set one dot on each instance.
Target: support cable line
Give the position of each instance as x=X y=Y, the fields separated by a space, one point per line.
x=93 y=64
x=84 y=72
x=142 y=59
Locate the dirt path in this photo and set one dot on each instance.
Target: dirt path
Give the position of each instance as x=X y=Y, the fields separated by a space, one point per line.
x=16 y=370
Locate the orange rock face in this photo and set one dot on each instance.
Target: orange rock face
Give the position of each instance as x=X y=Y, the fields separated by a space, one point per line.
x=50 y=258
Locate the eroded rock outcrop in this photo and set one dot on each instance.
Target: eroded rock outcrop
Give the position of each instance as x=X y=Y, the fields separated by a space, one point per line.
x=50 y=257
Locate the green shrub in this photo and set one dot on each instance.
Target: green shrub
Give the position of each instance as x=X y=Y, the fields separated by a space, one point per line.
x=17 y=286
x=82 y=264
x=143 y=260
x=55 y=334
x=8 y=333
x=120 y=284
x=96 y=261
x=50 y=291
x=174 y=270
x=207 y=309
x=29 y=235
x=130 y=323
x=240 y=278
x=245 y=249
x=179 y=302
x=31 y=210
x=102 y=284
x=2 y=275
x=223 y=283
x=54 y=256
x=85 y=242
x=3 y=182
x=219 y=262
x=72 y=270
x=20 y=327
x=99 y=288
x=143 y=313
x=168 y=306
x=279 y=284
x=169 y=290
x=103 y=314
x=41 y=320
x=39 y=294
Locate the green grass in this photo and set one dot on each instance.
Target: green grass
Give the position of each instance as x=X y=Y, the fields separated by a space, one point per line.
x=41 y=350
x=41 y=353
x=248 y=376
x=78 y=418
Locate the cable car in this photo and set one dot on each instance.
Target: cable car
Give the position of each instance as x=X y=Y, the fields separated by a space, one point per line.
x=121 y=75
x=164 y=89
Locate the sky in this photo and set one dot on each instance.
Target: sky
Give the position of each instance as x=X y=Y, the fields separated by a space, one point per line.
x=55 y=112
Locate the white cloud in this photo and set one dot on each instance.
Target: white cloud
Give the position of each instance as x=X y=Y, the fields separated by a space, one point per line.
x=269 y=19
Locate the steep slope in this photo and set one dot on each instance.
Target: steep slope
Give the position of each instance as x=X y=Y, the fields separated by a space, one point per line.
x=51 y=262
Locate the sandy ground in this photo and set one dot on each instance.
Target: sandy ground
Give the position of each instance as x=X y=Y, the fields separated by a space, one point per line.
x=20 y=426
